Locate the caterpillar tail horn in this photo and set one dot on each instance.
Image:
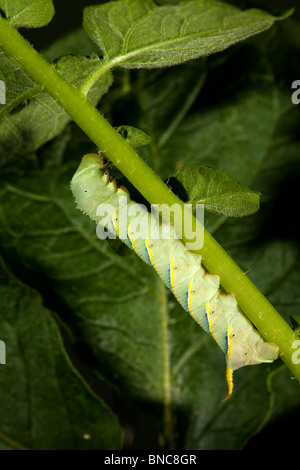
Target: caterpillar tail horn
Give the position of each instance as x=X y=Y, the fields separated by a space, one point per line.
x=229 y=379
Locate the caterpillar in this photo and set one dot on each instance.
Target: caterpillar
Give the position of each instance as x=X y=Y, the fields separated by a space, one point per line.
x=198 y=292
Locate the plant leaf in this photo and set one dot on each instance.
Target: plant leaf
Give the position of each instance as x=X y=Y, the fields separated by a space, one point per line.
x=76 y=42
x=226 y=134
x=135 y=137
x=165 y=100
x=44 y=404
x=217 y=191
x=28 y=13
x=18 y=85
x=37 y=117
x=137 y=34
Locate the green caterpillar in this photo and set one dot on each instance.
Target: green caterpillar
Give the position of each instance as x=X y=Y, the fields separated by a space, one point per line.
x=197 y=291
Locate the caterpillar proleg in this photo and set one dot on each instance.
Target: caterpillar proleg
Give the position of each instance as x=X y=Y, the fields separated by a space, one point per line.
x=196 y=290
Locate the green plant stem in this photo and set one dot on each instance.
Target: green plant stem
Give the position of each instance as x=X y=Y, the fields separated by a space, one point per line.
x=217 y=261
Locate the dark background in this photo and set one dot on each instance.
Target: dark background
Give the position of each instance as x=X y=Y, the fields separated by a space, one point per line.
x=67 y=18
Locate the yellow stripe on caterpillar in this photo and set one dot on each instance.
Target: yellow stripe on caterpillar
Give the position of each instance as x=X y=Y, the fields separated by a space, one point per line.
x=172 y=277
x=150 y=253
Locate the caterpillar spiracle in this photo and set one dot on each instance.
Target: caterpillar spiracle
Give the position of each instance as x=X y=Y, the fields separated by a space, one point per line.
x=196 y=290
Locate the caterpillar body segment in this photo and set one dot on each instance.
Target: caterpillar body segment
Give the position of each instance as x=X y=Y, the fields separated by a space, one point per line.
x=196 y=290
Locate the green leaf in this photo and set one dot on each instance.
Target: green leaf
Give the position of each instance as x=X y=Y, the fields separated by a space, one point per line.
x=217 y=191
x=135 y=137
x=274 y=267
x=137 y=34
x=284 y=403
x=165 y=99
x=18 y=85
x=44 y=404
x=225 y=134
x=36 y=116
x=76 y=42
x=28 y=13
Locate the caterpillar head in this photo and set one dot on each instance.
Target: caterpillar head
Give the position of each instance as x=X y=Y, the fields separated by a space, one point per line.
x=92 y=184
